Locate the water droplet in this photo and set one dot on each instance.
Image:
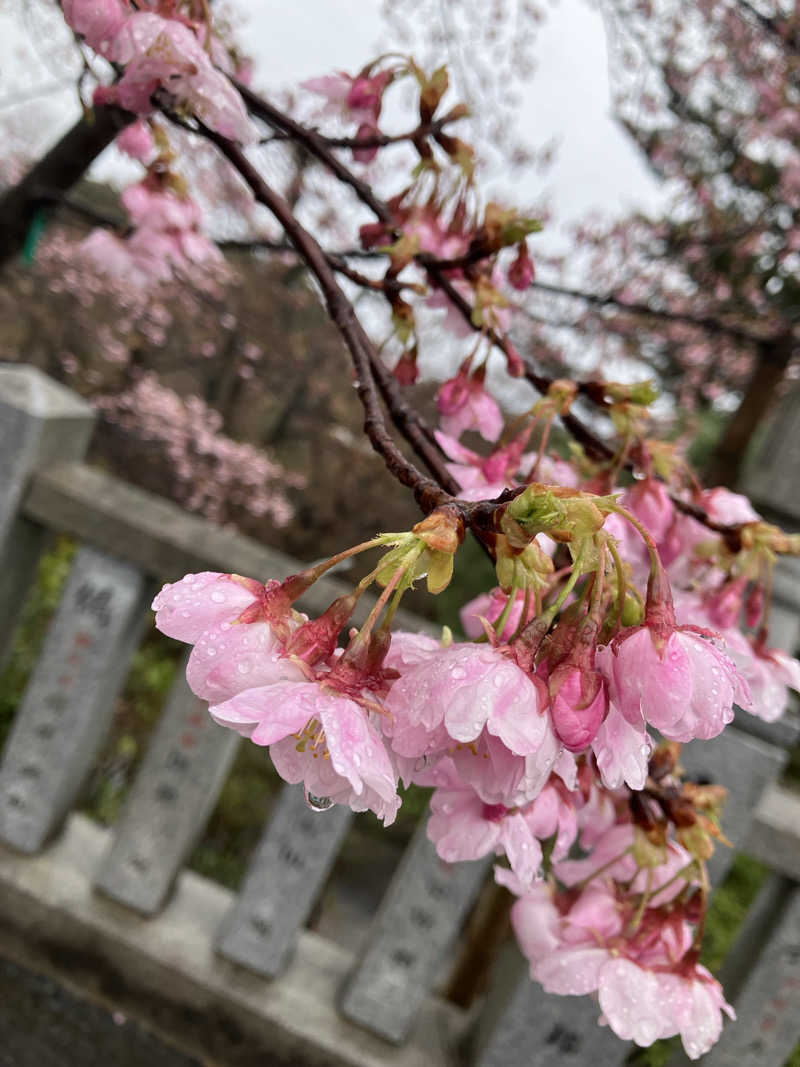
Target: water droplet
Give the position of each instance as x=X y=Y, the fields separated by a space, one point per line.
x=186 y=614
x=211 y=651
x=457 y=673
x=218 y=597
x=497 y=682
x=243 y=666
x=317 y=803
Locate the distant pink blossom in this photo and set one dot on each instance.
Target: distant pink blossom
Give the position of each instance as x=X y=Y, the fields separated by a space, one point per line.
x=137 y=142
x=464 y=404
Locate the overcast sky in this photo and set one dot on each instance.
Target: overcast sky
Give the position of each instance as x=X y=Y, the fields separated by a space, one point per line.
x=568 y=98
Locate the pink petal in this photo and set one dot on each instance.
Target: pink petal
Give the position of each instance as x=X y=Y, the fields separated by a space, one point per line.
x=633 y=1003
x=622 y=751
x=199 y=602
x=522 y=848
x=571 y=971
x=356 y=749
x=230 y=658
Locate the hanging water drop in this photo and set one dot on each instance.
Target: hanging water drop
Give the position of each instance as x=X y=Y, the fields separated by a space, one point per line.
x=317 y=803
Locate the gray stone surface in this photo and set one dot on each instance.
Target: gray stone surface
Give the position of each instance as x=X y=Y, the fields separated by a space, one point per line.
x=413 y=932
x=774 y=834
x=69 y=702
x=768 y=1010
x=283 y=883
x=40 y=421
x=167 y=542
x=784 y=623
x=164 y=968
x=770 y=479
x=44 y=1025
x=745 y=766
x=172 y=797
x=522 y=1026
x=19 y=558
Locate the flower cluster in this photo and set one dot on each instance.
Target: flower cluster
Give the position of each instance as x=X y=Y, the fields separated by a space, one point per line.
x=622 y=921
x=161 y=50
x=615 y=623
x=166 y=239
x=631 y=610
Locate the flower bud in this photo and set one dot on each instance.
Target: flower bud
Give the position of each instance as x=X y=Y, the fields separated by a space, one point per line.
x=522 y=271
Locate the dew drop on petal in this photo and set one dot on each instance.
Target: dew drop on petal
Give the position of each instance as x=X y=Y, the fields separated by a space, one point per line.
x=218 y=597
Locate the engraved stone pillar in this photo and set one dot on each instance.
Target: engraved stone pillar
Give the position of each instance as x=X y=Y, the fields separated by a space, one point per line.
x=767 y=1030
x=417 y=923
x=522 y=1025
x=285 y=878
x=744 y=765
x=69 y=702
x=172 y=797
x=772 y=475
x=40 y=421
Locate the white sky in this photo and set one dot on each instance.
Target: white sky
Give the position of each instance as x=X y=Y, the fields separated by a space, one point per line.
x=595 y=165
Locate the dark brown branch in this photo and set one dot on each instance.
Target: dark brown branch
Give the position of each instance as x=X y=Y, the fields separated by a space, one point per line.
x=705 y=322
x=55 y=174
x=428 y=494
x=378 y=140
x=316 y=144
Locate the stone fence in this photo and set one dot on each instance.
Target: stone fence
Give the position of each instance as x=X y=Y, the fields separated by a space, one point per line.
x=238 y=976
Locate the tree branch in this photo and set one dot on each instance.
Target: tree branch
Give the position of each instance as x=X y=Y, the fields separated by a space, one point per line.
x=56 y=173
x=428 y=494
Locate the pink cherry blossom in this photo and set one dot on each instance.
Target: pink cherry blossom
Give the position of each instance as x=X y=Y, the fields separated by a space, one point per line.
x=163 y=53
x=722 y=505
x=464 y=404
x=231 y=657
x=649 y=501
x=309 y=725
x=464 y=827
x=685 y=689
x=97 y=21
x=137 y=141
x=643 y=1006
x=490 y=606
x=499 y=777
x=468 y=687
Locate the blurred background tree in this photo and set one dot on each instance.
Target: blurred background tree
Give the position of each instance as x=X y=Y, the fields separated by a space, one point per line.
x=705 y=293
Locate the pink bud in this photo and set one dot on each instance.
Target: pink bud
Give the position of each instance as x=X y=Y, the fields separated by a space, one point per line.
x=522 y=271
x=365 y=155
x=578 y=706
x=406 y=370
x=372 y=234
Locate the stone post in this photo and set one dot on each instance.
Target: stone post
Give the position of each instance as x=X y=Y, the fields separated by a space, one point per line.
x=40 y=422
